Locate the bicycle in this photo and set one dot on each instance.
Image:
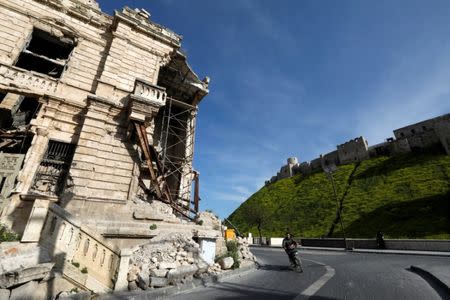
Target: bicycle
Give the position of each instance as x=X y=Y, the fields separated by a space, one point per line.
x=297 y=263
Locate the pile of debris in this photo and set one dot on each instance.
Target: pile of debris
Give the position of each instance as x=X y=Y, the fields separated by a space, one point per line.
x=168 y=259
x=174 y=258
x=244 y=250
x=26 y=272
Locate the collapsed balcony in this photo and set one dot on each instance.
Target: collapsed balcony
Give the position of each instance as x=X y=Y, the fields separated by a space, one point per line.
x=168 y=157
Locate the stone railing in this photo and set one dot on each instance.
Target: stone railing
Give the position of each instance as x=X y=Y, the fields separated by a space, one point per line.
x=84 y=256
x=149 y=91
x=146 y=100
x=28 y=80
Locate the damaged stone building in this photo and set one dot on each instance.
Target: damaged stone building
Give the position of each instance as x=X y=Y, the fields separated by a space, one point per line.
x=97 y=125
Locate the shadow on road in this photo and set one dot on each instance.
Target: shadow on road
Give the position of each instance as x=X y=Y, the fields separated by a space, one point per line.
x=442 y=292
x=285 y=268
x=242 y=291
x=278 y=268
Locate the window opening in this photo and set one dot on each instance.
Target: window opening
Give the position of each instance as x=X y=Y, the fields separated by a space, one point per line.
x=45 y=53
x=16 y=113
x=54 y=168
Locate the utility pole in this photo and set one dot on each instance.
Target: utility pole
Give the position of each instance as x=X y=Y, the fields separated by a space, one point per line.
x=329 y=169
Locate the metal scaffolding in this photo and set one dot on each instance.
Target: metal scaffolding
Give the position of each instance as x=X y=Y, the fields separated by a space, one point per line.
x=177 y=141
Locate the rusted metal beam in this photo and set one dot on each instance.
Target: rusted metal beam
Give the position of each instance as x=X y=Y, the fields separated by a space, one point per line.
x=151 y=156
x=144 y=147
x=196 y=191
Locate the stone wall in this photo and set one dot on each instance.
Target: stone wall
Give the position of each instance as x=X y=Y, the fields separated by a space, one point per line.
x=353 y=151
x=428 y=133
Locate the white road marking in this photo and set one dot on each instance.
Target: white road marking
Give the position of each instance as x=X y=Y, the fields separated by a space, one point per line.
x=318 y=284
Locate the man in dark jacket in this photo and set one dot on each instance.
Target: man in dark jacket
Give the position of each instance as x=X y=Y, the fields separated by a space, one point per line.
x=289 y=246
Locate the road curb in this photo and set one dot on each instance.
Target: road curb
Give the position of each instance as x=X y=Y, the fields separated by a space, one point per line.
x=165 y=292
x=432 y=277
x=358 y=250
x=232 y=273
x=402 y=252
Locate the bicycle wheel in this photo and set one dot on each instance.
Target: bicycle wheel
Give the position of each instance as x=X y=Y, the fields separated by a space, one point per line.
x=298 y=265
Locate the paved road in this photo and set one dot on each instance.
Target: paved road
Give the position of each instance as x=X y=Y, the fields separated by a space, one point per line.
x=328 y=275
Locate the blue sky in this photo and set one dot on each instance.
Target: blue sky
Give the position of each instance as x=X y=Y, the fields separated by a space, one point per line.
x=296 y=78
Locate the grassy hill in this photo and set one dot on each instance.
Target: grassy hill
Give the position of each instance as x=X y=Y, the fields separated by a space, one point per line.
x=405 y=196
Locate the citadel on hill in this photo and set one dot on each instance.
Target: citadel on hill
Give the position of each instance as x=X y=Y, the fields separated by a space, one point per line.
x=424 y=134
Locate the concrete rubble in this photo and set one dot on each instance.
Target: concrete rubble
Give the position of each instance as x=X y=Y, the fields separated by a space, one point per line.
x=226 y=263
x=173 y=259
x=168 y=259
x=244 y=250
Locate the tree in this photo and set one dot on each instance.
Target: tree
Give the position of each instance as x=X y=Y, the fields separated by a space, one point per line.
x=257 y=215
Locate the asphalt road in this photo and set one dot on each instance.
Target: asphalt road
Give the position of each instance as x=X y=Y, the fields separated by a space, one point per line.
x=328 y=275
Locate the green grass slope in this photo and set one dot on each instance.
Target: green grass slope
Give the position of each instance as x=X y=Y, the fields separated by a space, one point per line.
x=405 y=196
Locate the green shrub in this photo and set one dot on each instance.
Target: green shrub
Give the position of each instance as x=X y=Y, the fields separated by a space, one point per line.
x=76 y=264
x=84 y=270
x=200 y=222
x=7 y=235
x=232 y=250
x=153 y=227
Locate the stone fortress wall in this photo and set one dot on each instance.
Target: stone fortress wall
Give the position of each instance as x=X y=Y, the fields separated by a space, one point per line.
x=427 y=133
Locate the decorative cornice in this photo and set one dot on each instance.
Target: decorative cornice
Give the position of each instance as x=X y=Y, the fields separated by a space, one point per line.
x=158 y=32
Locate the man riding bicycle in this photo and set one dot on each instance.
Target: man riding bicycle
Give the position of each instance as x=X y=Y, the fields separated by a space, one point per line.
x=289 y=245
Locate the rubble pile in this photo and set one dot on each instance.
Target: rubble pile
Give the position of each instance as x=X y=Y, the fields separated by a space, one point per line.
x=244 y=250
x=168 y=259
x=208 y=219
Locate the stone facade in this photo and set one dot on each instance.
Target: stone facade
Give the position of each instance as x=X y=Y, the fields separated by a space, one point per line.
x=353 y=151
x=425 y=134
x=76 y=86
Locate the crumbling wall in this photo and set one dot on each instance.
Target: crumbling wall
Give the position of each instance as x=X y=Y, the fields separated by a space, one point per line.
x=84 y=62
x=143 y=53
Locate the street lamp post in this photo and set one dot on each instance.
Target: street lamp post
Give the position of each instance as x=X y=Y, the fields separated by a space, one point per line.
x=329 y=169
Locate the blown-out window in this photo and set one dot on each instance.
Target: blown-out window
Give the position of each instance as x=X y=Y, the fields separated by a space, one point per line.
x=45 y=53
x=52 y=172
